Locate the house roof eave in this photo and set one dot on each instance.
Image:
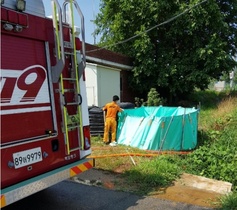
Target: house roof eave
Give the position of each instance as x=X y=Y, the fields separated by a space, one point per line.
x=108 y=63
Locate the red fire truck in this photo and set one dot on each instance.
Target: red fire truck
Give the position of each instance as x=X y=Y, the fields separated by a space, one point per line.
x=45 y=135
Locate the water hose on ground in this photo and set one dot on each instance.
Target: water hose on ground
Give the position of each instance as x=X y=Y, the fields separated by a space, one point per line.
x=141 y=155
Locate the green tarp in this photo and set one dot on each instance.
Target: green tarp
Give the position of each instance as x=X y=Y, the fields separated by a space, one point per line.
x=158 y=128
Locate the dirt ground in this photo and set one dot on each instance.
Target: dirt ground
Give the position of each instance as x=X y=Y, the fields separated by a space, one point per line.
x=181 y=192
x=178 y=192
x=185 y=190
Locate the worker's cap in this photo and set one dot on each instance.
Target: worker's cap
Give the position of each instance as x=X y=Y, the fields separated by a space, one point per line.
x=115 y=98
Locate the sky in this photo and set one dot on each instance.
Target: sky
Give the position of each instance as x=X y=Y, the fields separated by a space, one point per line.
x=89 y=8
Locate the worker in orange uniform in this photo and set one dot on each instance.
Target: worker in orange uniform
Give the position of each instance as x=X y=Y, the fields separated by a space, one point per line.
x=110 y=113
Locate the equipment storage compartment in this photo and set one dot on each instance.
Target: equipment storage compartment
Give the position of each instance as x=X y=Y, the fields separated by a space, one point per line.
x=25 y=101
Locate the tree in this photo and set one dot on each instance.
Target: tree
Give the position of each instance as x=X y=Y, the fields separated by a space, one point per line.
x=176 y=57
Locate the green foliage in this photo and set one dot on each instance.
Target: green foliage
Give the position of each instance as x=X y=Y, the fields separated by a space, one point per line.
x=229 y=202
x=217 y=157
x=217 y=162
x=176 y=57
x=139 y=102
x=209 y=99
x=151 y=174
x=153 y=98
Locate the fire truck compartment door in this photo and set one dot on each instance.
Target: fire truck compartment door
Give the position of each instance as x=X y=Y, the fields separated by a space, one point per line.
x=26 y=111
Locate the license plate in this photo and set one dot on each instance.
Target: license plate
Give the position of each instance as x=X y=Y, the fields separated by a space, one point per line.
x=27 y=157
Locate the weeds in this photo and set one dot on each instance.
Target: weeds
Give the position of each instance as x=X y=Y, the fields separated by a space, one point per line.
x=217 y=157
x=152 y=174
x=229 y=202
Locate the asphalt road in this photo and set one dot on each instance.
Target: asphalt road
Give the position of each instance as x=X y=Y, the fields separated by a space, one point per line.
x=69 y=195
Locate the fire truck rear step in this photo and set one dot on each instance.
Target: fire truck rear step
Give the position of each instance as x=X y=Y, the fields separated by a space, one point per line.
x=73 y=103
x=69 y=53
x=75 y=149
x=70 y=79
x=65 y=90
x=70 y=128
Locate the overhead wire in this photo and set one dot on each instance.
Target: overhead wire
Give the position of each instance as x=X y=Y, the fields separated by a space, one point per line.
x=148 y=30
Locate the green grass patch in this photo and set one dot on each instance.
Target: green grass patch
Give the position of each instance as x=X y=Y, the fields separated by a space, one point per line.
x=152 y=174
x=229 y=202
x=216 y=157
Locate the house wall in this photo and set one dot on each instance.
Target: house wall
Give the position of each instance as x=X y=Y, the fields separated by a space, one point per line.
x=101 y=84
x=91 y=84
x=108 y=85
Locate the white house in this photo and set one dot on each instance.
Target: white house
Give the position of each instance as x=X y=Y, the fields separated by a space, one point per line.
x=102 y=83
x=106 y=75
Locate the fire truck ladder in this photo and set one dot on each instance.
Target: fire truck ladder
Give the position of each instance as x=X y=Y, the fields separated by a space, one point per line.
x=67 y=49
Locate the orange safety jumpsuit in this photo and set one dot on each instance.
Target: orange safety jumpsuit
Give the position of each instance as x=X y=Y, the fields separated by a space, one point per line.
x=110 y=120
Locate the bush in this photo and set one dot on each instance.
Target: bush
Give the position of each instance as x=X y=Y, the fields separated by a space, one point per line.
x=153 y=99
